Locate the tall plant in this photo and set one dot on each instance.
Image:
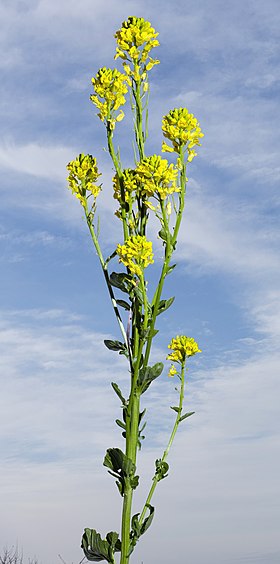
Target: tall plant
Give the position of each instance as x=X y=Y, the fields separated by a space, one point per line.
x=151 y=187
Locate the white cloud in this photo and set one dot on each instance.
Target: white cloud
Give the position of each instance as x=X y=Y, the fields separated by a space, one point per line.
x=37 y=160
x=221 y=235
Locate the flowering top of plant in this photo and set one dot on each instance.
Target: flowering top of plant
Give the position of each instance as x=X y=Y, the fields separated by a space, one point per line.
x=181 y=128
x=136 y=254
x=135 y=40
x=110 y=87
x=182 y=347
x=83 y=176
x=158 y=177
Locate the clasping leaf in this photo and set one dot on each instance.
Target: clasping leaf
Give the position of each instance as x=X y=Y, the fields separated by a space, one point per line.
x=186 y=415
x=148 y=374
x=137 y=530
x=97 y=549
x=164 y=305
x=121 y=467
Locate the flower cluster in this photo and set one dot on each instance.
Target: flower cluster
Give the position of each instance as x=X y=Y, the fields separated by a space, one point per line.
x=172 y=371
x=181 y=128
x=136 y=254
x=182 y=347
x=135 y=40
x=130 y=184
x=83 y=174
x=157 y=176
x=110 y=87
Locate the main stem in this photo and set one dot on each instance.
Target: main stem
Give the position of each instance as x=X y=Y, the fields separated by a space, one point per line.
x=131 y=452
x=132 y=420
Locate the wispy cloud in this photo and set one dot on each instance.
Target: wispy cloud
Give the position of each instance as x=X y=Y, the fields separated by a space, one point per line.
x=36 y=160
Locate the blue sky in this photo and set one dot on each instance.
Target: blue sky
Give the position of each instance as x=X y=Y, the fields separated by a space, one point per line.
x=221 y=500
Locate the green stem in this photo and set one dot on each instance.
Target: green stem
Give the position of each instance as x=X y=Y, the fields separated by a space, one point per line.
x=139 y=134
x=132 y=427
x=131 y=452
x=120 y=177
x=106 y=276
x=157 y=295
x=182 y=196
x=145 y=300
x=156 y=479
x=169 y=248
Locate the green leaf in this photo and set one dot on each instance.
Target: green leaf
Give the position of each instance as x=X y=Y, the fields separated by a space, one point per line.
x=177 y=409
x=122 y=281
x=141 y=415
x=162 y=235
x=121 y=424
x=115 y=346
x=142 y=428
x=170 y=268
x=124 y=304
x=117 y=461
x=121 y=467
x=135 y=526
x=161 y=469
x=137 y=530
x=148 y=521
x=154 y=332
x=95 y=548
x=164 y=305
x=118 y=392
x=134 y=482
x=137 y=293
x=186 y=415
x=114 y=541
x=146 y=376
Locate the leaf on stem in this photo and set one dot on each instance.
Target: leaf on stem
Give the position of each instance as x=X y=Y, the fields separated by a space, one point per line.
x=162 y=234
x=147 y=375
x=164 y=305
x=170 y=268
x=121 y=467
x=118 y=392
x=123 y=304
x=137 y=530
x=96 y=549
x=186 y=415
x=148 y=521
x=122 y=281
x=115 y=346
x=177 y=409
x=121 y=424
x=161 y=469
x=137 y=293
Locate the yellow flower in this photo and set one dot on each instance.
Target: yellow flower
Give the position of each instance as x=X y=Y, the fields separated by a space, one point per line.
x=135 y=39
x=181 y=128
x=110 y=87
x=157 y=177
x=182 y=347
x=191 y=155
x=172 y=371
x=83 y=176
x=166 y=148
x=136 y=254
